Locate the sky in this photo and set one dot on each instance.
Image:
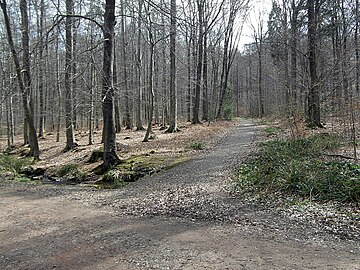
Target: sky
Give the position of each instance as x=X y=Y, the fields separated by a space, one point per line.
x=259 y=9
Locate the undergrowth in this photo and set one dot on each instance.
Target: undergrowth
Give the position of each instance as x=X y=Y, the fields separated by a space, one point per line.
x=113 y=179
x=297 y=167
x=71 y=169
x=197 y=146
x=272 y=130
x=10 y=163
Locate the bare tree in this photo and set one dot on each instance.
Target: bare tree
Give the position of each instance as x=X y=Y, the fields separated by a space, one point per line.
x=173 y=91
x=23 y=74
x=109 y=136
x=200 y=51
x=128 y=121
x=314 y=96
x=41 y=71
x=69 y=76
x=139 y=125
x=152 y=44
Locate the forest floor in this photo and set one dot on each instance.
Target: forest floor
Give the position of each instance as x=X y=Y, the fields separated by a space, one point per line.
x=187 y=217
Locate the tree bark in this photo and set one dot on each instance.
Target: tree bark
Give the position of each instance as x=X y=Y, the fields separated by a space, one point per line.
x=293 y=53
x=151 y=81
x=357 y=47
x=41 y=72
x=69 y=68
x=205 y=115
x=128 y=122
x=139 y=125
x=173 y=93
x=110 y=157
x=23 y=74
x=196 y=108
x=313 y=97
x=116 y=96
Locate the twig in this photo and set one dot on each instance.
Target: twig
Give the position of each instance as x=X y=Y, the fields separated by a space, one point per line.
x=338 y=155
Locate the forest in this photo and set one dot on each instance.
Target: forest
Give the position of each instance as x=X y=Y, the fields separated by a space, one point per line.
x=82 y=67
x=179 y=134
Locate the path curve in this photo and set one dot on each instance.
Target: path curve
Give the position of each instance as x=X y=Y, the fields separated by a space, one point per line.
x=184 y=218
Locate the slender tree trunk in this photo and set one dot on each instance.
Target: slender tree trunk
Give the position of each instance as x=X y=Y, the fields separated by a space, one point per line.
x=69 y=68
x=205 y=115
x=109 y=137
x=286 y=79
x=345 y=58
x=196 y=108
x=10 y=121
x=73 y=81
x=151 y=81
x=41 y=71
x=91 y=93
x=116 y=96
x=173 y=93
x=260 y=80
x=58 y=86
x=293 y=53
x=156 y=89
x=357 y=47
x=314 y=97
x=128 y=122
x=189 y=77
x=139 y=125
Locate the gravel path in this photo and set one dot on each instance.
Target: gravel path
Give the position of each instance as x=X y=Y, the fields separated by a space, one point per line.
x=184 y=218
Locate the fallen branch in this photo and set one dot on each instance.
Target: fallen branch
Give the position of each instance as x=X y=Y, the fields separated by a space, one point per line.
x=339 y=156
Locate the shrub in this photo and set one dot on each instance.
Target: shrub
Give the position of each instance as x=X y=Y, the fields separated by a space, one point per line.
x=67 y=169
x=297 y=167
x=72 y=172
x=272 y=130
x=197 y=146
x=9 y=163
x=113 y=179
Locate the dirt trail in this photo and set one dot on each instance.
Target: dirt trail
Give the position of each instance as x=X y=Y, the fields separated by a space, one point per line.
x=180 y=219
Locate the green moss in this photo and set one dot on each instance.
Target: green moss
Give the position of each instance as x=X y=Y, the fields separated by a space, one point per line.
x=67 y=169
x=71 y=170
x=134 y=168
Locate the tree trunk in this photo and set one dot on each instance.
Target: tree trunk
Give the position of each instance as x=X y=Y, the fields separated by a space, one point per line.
x=139 y=125
x=314 y=97
x=23 y=74
x=128 y=122
x=173 y=93
x=109 y=137
x=10 y=122
x=260 y=80
x=151 y=88
x=189 y=77
x=91 y=105
x=205 y=115
x=196 y=108
x=357 y=47
x=41 y=71
x=69 y=68
x=293 y=53
x=116 y=96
